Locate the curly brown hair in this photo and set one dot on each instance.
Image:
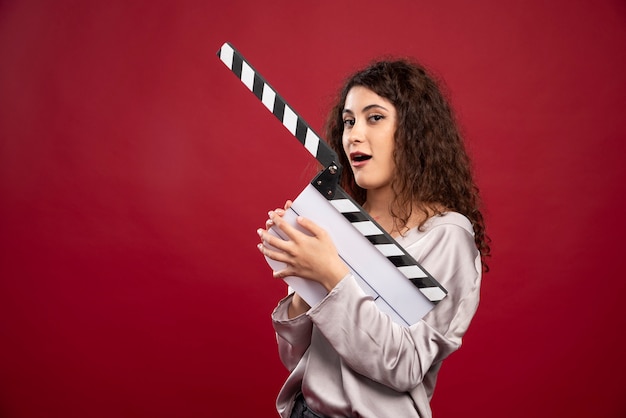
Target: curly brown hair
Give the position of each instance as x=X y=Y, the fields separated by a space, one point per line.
x=430 y=156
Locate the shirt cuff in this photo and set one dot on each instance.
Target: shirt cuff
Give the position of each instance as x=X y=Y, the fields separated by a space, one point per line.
x=343 y=289
x=295 y=330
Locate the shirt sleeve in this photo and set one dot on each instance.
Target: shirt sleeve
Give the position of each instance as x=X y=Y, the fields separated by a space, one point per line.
x=394 y=355
x=293 y=336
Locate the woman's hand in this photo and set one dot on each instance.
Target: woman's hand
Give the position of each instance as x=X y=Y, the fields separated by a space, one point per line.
x=298 y=306
x=312 y=256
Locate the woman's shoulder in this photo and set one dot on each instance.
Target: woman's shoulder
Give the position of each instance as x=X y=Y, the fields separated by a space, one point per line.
x=450 y=220
x=445 y=247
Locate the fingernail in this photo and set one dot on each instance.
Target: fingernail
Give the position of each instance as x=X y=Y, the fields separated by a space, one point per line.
x=270 y=214
x=280 y=211
x=260 y=247
x=260 y=232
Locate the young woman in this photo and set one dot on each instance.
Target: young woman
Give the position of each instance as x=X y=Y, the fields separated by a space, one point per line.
x=409 y=169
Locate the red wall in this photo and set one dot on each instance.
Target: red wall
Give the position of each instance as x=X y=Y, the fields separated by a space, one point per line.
x=135 y=168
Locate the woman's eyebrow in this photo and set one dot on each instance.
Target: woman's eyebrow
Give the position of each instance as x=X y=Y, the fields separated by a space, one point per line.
x=374 y=106
x=366 y=108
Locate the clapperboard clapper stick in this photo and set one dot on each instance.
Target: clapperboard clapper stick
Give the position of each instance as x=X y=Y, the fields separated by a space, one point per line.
x=399 y=285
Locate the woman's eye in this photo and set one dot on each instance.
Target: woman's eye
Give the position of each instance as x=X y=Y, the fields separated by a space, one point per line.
x=376 y=118
x=348 y=123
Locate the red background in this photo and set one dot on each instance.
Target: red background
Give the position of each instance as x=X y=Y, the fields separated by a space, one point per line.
x=135 y=168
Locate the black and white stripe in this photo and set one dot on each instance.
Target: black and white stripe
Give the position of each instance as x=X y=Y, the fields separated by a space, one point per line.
x=340 y=200
x=387 y=246
x=275 y=104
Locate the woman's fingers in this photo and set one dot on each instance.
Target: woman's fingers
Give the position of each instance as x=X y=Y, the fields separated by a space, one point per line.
x=292 y=232
x=272 y=241
x=304 y=249
x=281 y=274
x=280 y=256
x=310 y=226
x=273 y=251
x=299 y=247
x=278 y=211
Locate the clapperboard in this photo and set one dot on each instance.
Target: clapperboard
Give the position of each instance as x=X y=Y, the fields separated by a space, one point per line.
x=399 y=286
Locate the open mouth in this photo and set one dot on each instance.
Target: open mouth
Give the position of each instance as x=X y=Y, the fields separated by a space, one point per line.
x=358 y=157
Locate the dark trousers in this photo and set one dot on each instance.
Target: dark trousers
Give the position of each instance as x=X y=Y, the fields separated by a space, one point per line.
x=302 y=410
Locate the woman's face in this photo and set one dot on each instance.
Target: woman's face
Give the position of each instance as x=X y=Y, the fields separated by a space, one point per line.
x=369 y=124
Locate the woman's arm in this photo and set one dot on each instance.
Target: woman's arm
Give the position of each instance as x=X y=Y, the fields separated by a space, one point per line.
x=293 y=335
x=393 y=355
x=293 y=329
x=367 y=339
x=297 y=306
x=311 y=255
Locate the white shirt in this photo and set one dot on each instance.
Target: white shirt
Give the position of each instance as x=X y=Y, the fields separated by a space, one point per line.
x=350 y=359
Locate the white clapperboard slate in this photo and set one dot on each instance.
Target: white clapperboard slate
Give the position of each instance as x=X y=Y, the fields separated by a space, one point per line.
x=399 y=286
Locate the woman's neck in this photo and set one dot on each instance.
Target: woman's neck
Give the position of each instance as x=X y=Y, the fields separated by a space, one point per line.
x=378 y=203
x=378 y=206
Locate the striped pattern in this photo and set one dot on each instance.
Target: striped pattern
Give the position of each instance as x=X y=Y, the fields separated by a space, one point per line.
x=340 y=200
x=384 y=243
x=275 y=104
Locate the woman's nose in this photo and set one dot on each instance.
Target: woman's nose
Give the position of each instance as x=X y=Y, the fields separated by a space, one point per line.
x=357 y=133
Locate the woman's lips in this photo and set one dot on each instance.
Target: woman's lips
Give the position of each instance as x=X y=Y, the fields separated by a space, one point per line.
x=359 y=159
